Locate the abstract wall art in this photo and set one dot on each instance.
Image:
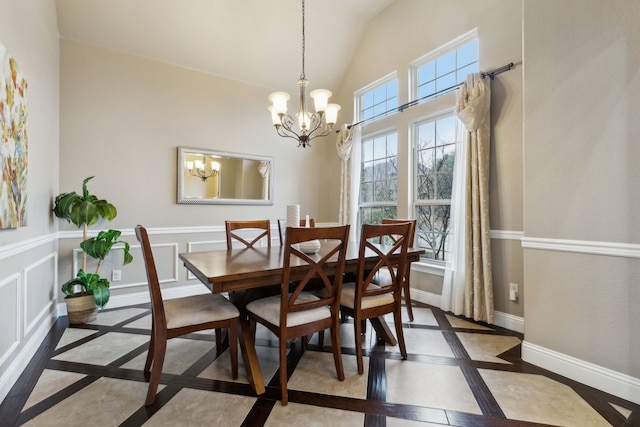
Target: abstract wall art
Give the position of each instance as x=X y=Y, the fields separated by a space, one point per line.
x=13 y=143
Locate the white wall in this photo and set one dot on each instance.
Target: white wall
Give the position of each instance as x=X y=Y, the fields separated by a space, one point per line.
x=582 y=203
x=28 y=255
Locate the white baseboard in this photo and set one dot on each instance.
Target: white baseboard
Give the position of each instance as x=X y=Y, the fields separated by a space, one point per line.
x=24 y=356
x=504 y=320
x=607 y=380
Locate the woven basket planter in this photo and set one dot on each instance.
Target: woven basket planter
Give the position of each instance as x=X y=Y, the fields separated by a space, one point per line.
x=81 y=309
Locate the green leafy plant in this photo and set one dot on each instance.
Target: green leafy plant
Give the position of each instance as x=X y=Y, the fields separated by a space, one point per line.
x=84 y=210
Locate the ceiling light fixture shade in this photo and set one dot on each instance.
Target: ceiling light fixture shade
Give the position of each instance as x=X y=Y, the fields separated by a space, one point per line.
x=309 y=125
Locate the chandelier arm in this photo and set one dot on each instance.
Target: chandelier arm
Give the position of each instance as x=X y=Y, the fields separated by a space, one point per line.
x=287 y=132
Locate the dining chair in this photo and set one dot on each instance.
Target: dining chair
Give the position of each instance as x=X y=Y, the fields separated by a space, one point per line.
x=180 y=316
x=300 y=309
x=364 y=299
x=383 y=276
x=282 y=227
x=263 y=227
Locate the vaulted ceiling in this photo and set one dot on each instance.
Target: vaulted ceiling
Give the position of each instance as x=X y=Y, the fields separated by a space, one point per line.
x=254 y=41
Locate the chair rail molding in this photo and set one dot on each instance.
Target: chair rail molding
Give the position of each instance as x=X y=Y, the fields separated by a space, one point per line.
x=628 y=250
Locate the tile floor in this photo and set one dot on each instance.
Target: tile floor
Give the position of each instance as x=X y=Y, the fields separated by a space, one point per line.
x=458 y=373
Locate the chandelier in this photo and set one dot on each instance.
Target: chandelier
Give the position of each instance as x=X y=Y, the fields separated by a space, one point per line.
x=309 y=125
x=199 y=169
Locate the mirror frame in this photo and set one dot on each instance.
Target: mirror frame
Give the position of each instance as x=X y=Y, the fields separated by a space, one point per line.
x=181 y=199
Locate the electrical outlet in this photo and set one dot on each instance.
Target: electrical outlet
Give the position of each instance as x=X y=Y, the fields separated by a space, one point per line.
x=513 y=291
x=116 y=275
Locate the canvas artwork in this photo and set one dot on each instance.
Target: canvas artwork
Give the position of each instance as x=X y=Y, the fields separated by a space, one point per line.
x=13 y=143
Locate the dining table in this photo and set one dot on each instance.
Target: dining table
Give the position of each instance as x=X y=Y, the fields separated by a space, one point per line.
x=250 y=273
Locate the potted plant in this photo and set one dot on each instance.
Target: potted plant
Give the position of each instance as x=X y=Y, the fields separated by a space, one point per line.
x=88 y=291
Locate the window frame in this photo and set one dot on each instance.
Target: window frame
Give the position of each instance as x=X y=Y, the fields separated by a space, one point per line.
x=415 y=202
x=358 y=95
x=448 y=47
x=376 y=204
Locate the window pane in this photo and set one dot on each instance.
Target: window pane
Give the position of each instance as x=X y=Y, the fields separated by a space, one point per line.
x=445 y=185
x=367 y=151
x=367 y=100
x=446 y=82
x=426 y=135
x=446 y=63
x=446 y=130
x=427 y=73
x=392 y=104
x=366 y=192
x=380 y=147
x=392 y=89
x=463 y=72
x=427 y=90
x=467 y=54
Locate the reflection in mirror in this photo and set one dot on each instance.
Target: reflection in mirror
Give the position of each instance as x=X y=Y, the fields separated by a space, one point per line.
x=215 y=177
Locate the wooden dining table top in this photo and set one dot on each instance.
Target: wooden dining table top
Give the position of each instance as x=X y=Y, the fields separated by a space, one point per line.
x=246 y=268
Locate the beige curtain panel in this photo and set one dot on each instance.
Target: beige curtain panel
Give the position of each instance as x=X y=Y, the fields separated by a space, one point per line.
x=473 y=109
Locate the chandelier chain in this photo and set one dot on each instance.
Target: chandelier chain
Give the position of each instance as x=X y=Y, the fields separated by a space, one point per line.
x=302 y=76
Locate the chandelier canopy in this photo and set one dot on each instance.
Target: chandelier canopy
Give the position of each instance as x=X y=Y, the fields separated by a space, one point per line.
x=306 y=125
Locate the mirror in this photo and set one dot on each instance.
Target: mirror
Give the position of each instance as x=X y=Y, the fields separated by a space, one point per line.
x=220 y=178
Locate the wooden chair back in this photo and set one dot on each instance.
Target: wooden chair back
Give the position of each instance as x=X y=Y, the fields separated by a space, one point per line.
x=412 y=232
x=263 y=227
x=159 y=319
x=406 y=285
x=330 y=281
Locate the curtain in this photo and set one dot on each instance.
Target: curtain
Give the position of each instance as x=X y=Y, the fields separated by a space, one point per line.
x=263 y=169
x=348 y=149
x=473 y=109
x=454 y=274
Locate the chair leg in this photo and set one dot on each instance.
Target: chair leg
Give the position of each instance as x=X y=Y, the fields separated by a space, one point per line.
x=397 y=319
x=218 y=333
x=283 y=372
x=233 y=347
x=337 y=351
x=407 y=299
x=357 y=325
x=147 y=364
x=159 y=350
x=321 y=338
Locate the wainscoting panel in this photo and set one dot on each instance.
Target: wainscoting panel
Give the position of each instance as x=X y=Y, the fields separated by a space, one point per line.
x=10 y=333
x=40 y=291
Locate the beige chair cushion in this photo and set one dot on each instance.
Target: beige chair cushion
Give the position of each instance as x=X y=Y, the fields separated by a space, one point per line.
x=347 y=297
x=269 y=309
x=198 y=309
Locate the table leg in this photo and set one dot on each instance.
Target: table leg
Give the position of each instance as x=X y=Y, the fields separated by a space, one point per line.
x=247 y=343
x=382 y=330
x=250 y=357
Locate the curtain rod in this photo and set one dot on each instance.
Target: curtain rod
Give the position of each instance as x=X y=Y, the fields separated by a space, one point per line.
x=491 y=74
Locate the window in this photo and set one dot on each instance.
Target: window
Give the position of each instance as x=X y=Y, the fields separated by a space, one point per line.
x=379 y=178
x=378 y=99
x=430 y=146
x=446 y=68
x=435 y=153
